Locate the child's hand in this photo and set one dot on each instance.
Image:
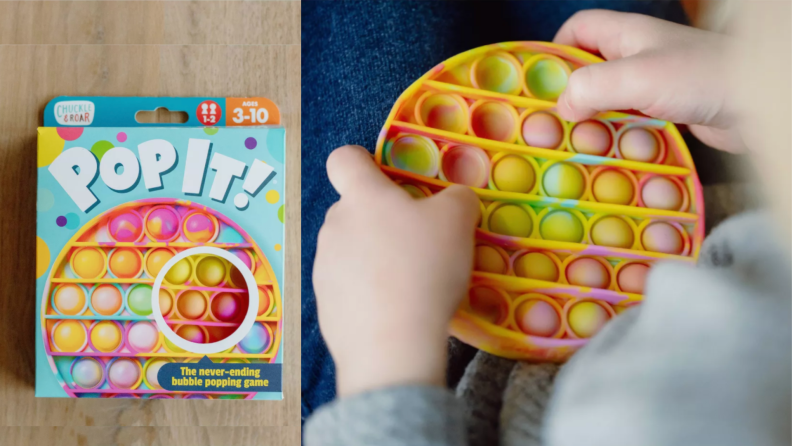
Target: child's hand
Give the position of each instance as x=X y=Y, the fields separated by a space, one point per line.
x=667 y=71
x=389 y=273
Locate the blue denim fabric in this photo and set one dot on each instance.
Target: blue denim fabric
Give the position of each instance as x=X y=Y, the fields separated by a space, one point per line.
x=357 y=57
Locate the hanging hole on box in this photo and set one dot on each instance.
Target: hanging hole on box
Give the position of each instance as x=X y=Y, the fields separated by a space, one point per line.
x=161 y=115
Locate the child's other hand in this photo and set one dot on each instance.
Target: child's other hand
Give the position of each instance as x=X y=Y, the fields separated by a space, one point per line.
x=389 y=273
x=665 y=70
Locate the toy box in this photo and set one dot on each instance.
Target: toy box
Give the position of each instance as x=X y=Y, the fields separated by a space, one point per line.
x=159 y=250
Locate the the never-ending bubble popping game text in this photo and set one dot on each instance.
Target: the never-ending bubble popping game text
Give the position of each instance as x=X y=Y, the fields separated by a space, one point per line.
x=573 y=215
x=159 y=249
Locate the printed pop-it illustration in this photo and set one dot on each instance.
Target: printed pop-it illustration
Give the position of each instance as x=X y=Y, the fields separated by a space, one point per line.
x=104 y=332
x=573 y=214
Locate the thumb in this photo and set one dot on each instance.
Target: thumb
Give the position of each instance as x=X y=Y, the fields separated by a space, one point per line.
x=458 y=204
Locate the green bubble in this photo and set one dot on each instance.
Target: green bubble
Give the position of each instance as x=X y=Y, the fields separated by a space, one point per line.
x=210 y=130
x=139 y=299
x=280 y=213
x=100 y=148
x=547 y=79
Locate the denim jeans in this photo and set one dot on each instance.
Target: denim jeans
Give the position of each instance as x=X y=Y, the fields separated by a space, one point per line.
x=357 y=58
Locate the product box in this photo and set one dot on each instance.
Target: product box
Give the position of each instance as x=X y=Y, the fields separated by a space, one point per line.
x=159 y=249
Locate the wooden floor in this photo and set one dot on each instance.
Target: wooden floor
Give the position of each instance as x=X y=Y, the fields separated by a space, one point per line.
x=135 y=49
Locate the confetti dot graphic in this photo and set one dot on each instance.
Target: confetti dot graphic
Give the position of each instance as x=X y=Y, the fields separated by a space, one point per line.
x=272 y=196
x=50 y=145
x=42 y=257
x=210 y=130
x=45 y=200
x=72 y=221
x=61 y=221
x=70 y=133
x=100 y=148
x=277 y=247
x=280 y=213
x=121 y=137
x=251 y=143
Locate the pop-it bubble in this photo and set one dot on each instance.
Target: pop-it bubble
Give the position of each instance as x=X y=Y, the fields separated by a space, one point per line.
x=466 y=165
x=162 y=223
x=69 y=299
x=87 y=373
x=124 y=373
x=97 y=308
x=592 y=137
x=542 y=129
x=69 y=336
x=107 y=299
x=126 y=227
x=575 y=212
x=210 y=271
x=200 y=227
x=538 y=315
x=106 y=336
x=125 y=263
x=586 y=318
x=537 y=265
x=192 y=304
x=156 y=258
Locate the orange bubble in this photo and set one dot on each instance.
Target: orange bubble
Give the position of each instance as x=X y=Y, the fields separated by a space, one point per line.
x=490 y=260
x=191 y=304
x=265 y=300
x=488 y=304
x=156 y=259
x=106 y=299
x=632 y=277
x=165 y=302
x=588 y=272
x=612 y=186
x=125 y=263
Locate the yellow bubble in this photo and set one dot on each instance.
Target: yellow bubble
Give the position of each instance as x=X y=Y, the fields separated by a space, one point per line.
x=106 y=336
x=513 y=173
x=511 y=220
x=69 y=336
x=489 y=260
x=210 y=271
x=272 y=196
x=563 y=180
x=88 y=263
x=612 y=186
x=277 y=247
x=562 y=226
x=612 y=231
x=179 y=273
x=536 y=265
x=50 y=145
x=587 y=318
x=171 y=347
x=42 y=257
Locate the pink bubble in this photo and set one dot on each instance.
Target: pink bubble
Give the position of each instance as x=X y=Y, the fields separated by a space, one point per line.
x=121 y=137
x=70 y=133
x=225 y=307
x=143 y=336
x=126 y=227
x=124 y=373
x=162 y=223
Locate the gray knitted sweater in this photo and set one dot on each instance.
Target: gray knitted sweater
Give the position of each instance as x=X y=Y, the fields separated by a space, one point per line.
x=705 y=360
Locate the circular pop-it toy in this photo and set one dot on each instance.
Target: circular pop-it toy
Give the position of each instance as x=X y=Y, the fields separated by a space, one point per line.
x=105 y=334
x=574 y=215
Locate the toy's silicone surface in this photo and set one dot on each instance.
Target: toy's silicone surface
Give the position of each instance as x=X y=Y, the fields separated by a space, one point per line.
x=573 y=214
x=99 y=324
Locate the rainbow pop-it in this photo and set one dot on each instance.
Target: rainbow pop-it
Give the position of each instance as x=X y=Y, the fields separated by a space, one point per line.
x=573 y=214
x=97 y=313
